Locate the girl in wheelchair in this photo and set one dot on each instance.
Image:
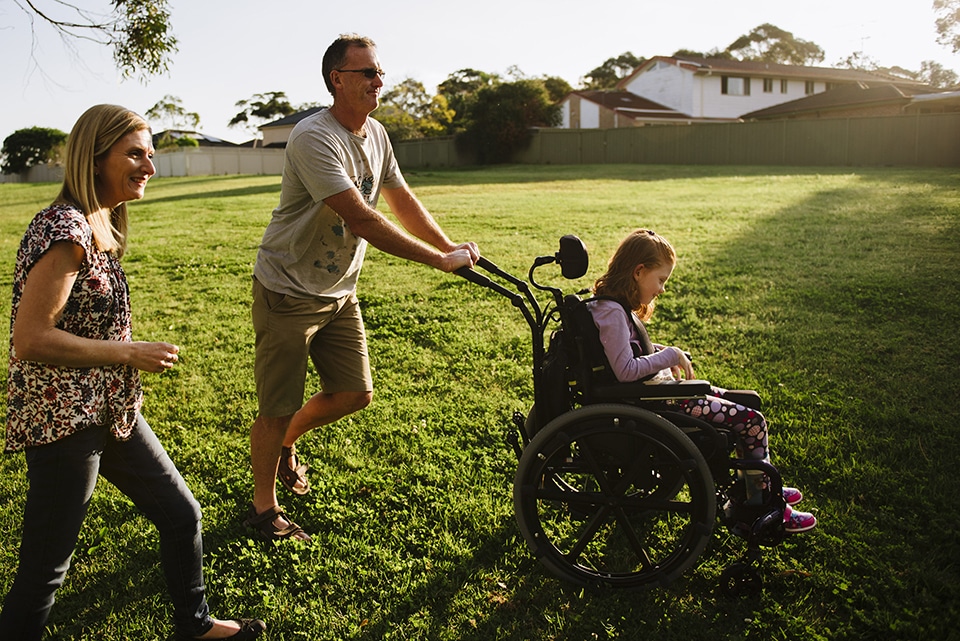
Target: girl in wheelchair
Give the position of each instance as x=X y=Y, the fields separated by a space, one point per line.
x=623 y=298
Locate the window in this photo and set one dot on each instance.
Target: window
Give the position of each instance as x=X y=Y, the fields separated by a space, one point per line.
x=783 y=85
x=768 y=85
x=809 y=87
x=734 y=86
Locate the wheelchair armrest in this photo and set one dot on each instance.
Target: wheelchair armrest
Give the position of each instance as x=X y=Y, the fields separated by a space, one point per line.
x=653 y=391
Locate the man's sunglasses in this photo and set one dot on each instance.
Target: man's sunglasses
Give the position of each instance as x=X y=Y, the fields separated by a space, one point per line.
x=368 y=72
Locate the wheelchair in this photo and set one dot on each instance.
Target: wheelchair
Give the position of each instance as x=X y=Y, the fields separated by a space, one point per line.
x=614 y=489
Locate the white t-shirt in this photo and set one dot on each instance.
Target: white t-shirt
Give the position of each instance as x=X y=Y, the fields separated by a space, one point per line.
x=307 y=250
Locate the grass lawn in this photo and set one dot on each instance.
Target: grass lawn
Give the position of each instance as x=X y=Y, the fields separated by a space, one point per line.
x=835 y=292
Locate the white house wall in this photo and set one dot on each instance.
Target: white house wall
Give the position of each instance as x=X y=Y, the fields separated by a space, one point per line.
x=719 y=105
x=667 y=85
x=589 y=115
x=700 y=96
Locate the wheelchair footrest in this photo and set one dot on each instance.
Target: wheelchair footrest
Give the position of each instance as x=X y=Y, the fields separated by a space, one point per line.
x=758 y=524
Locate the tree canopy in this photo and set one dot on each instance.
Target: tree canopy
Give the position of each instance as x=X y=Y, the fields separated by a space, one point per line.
x=261 y=108
x=948 y=23
x=499 y=118
x=769 y=43
x=26 y=148
x=139 y=31
x=612 y=71
x=460 y=89
x=407 y=111
x=169 y=111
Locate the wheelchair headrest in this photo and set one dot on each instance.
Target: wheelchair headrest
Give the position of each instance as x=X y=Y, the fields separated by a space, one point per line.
x=572 y=257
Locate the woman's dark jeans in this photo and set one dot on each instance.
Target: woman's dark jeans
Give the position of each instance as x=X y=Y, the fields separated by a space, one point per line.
x=62 y=476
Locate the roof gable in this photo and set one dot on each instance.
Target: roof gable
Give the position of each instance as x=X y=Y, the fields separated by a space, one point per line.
x=721 y=66
x=292 y=119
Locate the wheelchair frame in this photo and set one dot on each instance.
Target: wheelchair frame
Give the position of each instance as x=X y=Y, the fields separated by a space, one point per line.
x=618 y=490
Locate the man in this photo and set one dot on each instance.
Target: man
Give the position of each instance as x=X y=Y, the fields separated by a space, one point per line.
x=337 y=163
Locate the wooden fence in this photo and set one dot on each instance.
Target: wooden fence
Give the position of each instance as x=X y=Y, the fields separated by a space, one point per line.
x=923 y=140
x=195 y=161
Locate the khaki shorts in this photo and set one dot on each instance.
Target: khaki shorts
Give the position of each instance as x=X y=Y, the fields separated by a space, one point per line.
x=288 y=330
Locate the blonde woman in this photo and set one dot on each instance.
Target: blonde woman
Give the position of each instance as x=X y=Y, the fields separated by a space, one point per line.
x=74 y=392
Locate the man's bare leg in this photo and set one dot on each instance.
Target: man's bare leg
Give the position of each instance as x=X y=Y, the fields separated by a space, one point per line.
x=269 y=434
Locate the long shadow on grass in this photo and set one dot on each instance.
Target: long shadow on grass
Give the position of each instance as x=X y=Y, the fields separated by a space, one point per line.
x=859 y=297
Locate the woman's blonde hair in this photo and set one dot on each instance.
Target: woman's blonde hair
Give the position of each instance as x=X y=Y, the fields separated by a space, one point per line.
x=640 y=247
x=94 y=133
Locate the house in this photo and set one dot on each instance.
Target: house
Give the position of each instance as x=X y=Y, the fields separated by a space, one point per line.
x=713 y=89
x=613 y=109
x=934 y=103
x=203 y=140
x=275 y=133
x=848 y=101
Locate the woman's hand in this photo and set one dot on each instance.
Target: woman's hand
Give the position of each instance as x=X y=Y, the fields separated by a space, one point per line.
x=684 y=369
x=153 y=357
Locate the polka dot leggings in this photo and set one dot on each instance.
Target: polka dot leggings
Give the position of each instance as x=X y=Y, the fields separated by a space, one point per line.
x=748 y=424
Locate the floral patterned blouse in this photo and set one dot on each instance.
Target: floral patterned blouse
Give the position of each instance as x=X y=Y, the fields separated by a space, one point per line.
x=49 y=402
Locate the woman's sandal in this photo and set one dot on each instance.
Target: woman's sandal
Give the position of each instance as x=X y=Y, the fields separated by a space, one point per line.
x=249 y=629
x=291 y=476
x=263 y=524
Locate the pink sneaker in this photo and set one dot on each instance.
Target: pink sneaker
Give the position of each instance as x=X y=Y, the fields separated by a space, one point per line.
x=795 y=521
x=792 y=495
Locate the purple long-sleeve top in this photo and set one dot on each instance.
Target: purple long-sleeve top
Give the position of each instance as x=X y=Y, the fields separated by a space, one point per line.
x=618 y=335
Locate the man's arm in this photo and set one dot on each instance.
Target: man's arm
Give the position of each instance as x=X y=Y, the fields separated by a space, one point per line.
x=376 y=229
x=415 y=218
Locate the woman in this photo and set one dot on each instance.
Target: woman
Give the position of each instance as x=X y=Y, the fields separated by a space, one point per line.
x=74 y=384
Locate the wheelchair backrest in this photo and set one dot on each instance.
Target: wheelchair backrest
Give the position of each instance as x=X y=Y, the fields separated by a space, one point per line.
x=574 y=361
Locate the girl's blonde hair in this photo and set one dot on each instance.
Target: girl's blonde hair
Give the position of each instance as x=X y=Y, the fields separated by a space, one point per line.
x=640 y=247
x=94 y=133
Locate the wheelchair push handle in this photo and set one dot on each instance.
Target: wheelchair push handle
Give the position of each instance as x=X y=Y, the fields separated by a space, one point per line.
x=479 y=279
x=475 y=276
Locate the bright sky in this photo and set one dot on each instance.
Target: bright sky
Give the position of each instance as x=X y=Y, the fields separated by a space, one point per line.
x=230 y=50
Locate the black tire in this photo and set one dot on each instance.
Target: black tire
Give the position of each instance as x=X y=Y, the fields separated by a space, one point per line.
x=614 y=495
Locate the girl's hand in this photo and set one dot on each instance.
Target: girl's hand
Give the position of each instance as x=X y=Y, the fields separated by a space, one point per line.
x=684 y=369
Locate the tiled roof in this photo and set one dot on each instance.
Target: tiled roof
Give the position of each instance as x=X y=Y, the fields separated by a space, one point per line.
x=624 y=101
x=845 y=96
x=292 y=119
x=706 y=66
x=202 y=139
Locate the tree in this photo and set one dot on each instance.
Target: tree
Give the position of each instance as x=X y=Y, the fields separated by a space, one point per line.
x=139 y=31
x=948 y=23
x=407 y=111
x=858 y=60
x=713 y=53
x=460 y=90
x=612 y=71
x=768 y=43
x=261 y=108
x=170 y=112
x=934 y=74
x=26 y=148
x=931 y=73
x=500 y=117
x=557 y=88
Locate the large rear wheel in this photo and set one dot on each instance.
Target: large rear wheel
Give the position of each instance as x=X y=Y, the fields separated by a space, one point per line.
x=614 y=495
